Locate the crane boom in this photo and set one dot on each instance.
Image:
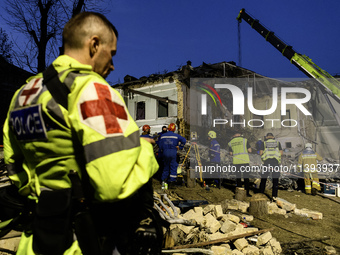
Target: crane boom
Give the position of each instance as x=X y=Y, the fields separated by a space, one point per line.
x=329 y=85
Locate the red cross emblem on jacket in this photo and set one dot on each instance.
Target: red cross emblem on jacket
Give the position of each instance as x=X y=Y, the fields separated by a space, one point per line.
x=104 y=106
x=27 y=93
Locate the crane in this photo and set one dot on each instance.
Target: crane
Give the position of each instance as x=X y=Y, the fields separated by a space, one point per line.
x=328 y=84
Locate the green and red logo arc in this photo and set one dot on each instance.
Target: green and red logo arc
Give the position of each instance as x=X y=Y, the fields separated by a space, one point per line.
x=211 y=92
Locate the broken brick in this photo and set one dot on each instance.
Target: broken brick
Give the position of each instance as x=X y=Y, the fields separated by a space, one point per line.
x=264 y=238
x=241 y=243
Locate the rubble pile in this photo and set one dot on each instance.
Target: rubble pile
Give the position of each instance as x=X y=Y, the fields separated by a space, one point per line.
x=212 y=223
x=283 y=207
x=280 y=206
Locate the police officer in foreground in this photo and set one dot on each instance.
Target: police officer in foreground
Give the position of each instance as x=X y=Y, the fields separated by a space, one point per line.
x=66 y=123
x=239 y=148
x=271 y=153
x=308 y=161
x=169 y=144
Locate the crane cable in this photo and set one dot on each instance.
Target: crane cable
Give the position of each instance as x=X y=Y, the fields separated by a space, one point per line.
x=239 y=44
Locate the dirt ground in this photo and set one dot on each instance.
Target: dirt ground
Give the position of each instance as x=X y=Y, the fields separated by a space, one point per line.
x=287 y=228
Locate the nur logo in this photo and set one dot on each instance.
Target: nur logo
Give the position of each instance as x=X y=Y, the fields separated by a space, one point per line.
x=239 y=99
x=211 y=92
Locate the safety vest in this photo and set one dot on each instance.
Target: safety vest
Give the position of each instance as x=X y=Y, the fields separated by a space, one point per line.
x=271 y=150
x=308 y=160
x=240 y=151
x=43 y=141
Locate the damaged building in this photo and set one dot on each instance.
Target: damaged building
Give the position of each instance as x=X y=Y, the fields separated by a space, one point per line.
x=160 y=99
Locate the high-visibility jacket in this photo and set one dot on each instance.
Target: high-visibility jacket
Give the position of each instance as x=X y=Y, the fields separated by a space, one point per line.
x=271 y=150
x=240 y=151
x=308 y=160
x=43 y=141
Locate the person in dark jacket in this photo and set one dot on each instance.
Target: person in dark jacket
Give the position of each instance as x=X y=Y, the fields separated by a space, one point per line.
x=169 y=144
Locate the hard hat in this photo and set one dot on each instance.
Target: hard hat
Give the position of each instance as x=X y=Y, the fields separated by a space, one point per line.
x=145 y=127
x=237 y=134
x=212 y=134
x=172 y=127
x=260 y=139
x=308 y=145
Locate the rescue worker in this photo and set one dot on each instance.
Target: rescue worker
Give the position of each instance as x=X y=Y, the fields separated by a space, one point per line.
x=308 y=161
x=214 y=151
x=158 y=135
x=159 y=155
x=259 y=145
x=51 y=139
x=164 y=130
x=271 y=153
x=239 y=148
x=169 y=144
x=146 y=132
x=214 y=154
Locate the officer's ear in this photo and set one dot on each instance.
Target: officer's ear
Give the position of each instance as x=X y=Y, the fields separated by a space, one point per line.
x=94 y=45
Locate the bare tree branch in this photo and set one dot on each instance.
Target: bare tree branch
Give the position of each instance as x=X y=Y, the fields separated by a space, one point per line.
x=41 y=23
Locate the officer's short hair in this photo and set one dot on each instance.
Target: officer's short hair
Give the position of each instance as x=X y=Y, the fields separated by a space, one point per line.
x=83 y=26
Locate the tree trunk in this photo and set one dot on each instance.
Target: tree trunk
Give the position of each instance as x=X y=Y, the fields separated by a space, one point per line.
x=258 y=206
x=240 y=194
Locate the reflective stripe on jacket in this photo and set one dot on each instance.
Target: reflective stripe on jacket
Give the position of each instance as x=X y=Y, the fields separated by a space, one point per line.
x=240 y=151
x=44 y=141
x=169 y=141
x=308 y=160
x=271 y=150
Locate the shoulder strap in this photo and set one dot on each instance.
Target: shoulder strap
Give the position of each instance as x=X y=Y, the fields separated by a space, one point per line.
x=58 y=90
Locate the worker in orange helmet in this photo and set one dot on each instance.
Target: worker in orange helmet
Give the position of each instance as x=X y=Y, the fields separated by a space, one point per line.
x=146 y=131
x=169 y=143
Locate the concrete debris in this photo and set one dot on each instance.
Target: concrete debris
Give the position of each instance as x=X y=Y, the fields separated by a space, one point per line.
x=287 y=207
x=264 y=238
x=234 y=204
x=330 y=250
x=273 y=208
x=217 y=235
x=251 y=250
x=228 y=226
x=211 y=223
x=285 y=204
x=241 y=243
x=198 y=210
x=220 y=250
x=214 y=225
x=231 y=217
x=11 y=244
x=308 y=213
x=275 y=245
x=237 y=252
x=266 y=250
x=218 y=211
x=246 y=217
x=248 y=230
x=208 y=209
